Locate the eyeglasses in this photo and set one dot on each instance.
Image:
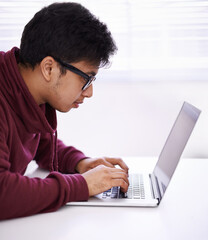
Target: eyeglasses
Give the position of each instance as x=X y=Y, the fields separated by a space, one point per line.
x=87 y=78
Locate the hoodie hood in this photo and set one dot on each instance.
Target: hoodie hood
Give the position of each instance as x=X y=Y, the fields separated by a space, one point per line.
x=37 y=119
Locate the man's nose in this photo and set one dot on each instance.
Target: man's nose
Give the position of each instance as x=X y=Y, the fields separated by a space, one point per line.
x=88 y=92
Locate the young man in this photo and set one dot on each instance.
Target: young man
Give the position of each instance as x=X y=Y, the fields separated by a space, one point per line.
x=61 y=50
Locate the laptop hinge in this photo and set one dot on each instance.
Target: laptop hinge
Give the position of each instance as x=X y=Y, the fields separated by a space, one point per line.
x=155 y=187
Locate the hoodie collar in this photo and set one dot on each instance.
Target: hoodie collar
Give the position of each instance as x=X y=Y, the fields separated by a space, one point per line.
x=37 y=119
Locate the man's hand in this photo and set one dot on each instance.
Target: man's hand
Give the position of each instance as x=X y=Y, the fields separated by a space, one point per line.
x=102 y=178
x=101 y=174
x=90 y=163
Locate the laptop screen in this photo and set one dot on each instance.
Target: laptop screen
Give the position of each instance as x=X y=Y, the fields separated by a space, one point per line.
x=175 y=144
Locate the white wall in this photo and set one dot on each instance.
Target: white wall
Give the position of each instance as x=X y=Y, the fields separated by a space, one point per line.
x=163 y=41
x=134 y=119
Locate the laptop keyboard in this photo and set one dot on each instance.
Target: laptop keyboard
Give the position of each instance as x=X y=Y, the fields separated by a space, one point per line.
x=135 y=190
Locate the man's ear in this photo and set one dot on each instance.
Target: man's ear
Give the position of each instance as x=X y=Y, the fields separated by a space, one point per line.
x=47 y=65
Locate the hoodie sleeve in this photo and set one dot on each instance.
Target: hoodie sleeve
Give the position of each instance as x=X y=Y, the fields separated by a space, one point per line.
x=23 y=196
x=68 y=157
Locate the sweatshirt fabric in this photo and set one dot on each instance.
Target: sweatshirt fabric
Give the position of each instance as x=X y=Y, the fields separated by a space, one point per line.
x=28 y=132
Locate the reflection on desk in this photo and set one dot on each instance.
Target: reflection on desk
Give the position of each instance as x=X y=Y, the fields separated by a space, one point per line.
x=183 y=213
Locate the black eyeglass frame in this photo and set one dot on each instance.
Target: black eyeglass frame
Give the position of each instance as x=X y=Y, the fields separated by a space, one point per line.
x=87 y=78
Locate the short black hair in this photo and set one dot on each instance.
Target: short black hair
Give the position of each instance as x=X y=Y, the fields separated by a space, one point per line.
x=67 y=31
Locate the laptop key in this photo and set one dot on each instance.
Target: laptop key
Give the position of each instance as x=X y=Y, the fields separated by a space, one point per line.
x=122 y=195
x=135 y=190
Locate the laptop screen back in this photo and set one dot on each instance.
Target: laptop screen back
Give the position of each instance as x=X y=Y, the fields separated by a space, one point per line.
x=175 y=144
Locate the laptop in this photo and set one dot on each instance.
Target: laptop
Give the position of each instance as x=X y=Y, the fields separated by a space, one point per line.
x=148 y=189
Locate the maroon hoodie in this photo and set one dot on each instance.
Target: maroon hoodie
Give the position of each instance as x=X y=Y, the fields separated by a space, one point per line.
x=27 y=132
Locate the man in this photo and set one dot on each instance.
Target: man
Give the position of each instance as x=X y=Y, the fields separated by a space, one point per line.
x=61 y=50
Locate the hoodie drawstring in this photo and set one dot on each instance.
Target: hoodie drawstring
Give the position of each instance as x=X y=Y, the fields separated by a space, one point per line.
x=55 y=153
x=54 y=158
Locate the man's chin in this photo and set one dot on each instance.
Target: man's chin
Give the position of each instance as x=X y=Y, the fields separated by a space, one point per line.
x=65 y=110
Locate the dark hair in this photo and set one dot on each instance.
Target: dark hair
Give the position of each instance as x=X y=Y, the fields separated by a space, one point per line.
x=67 y=31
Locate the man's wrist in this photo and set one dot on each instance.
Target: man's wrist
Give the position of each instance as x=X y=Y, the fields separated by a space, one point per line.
x=78 y=166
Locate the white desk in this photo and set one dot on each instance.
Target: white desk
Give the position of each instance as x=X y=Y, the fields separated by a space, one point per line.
x=183 y=213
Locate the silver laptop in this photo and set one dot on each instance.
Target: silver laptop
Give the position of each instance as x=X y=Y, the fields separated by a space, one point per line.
x=147 y=190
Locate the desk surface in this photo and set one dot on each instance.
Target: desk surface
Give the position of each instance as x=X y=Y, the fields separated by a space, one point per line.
x=182 y=214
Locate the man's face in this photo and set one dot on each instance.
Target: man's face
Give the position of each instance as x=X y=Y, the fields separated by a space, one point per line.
x=66 y=92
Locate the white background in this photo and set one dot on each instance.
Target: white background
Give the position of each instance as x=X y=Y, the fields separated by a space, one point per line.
x=162 y=61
